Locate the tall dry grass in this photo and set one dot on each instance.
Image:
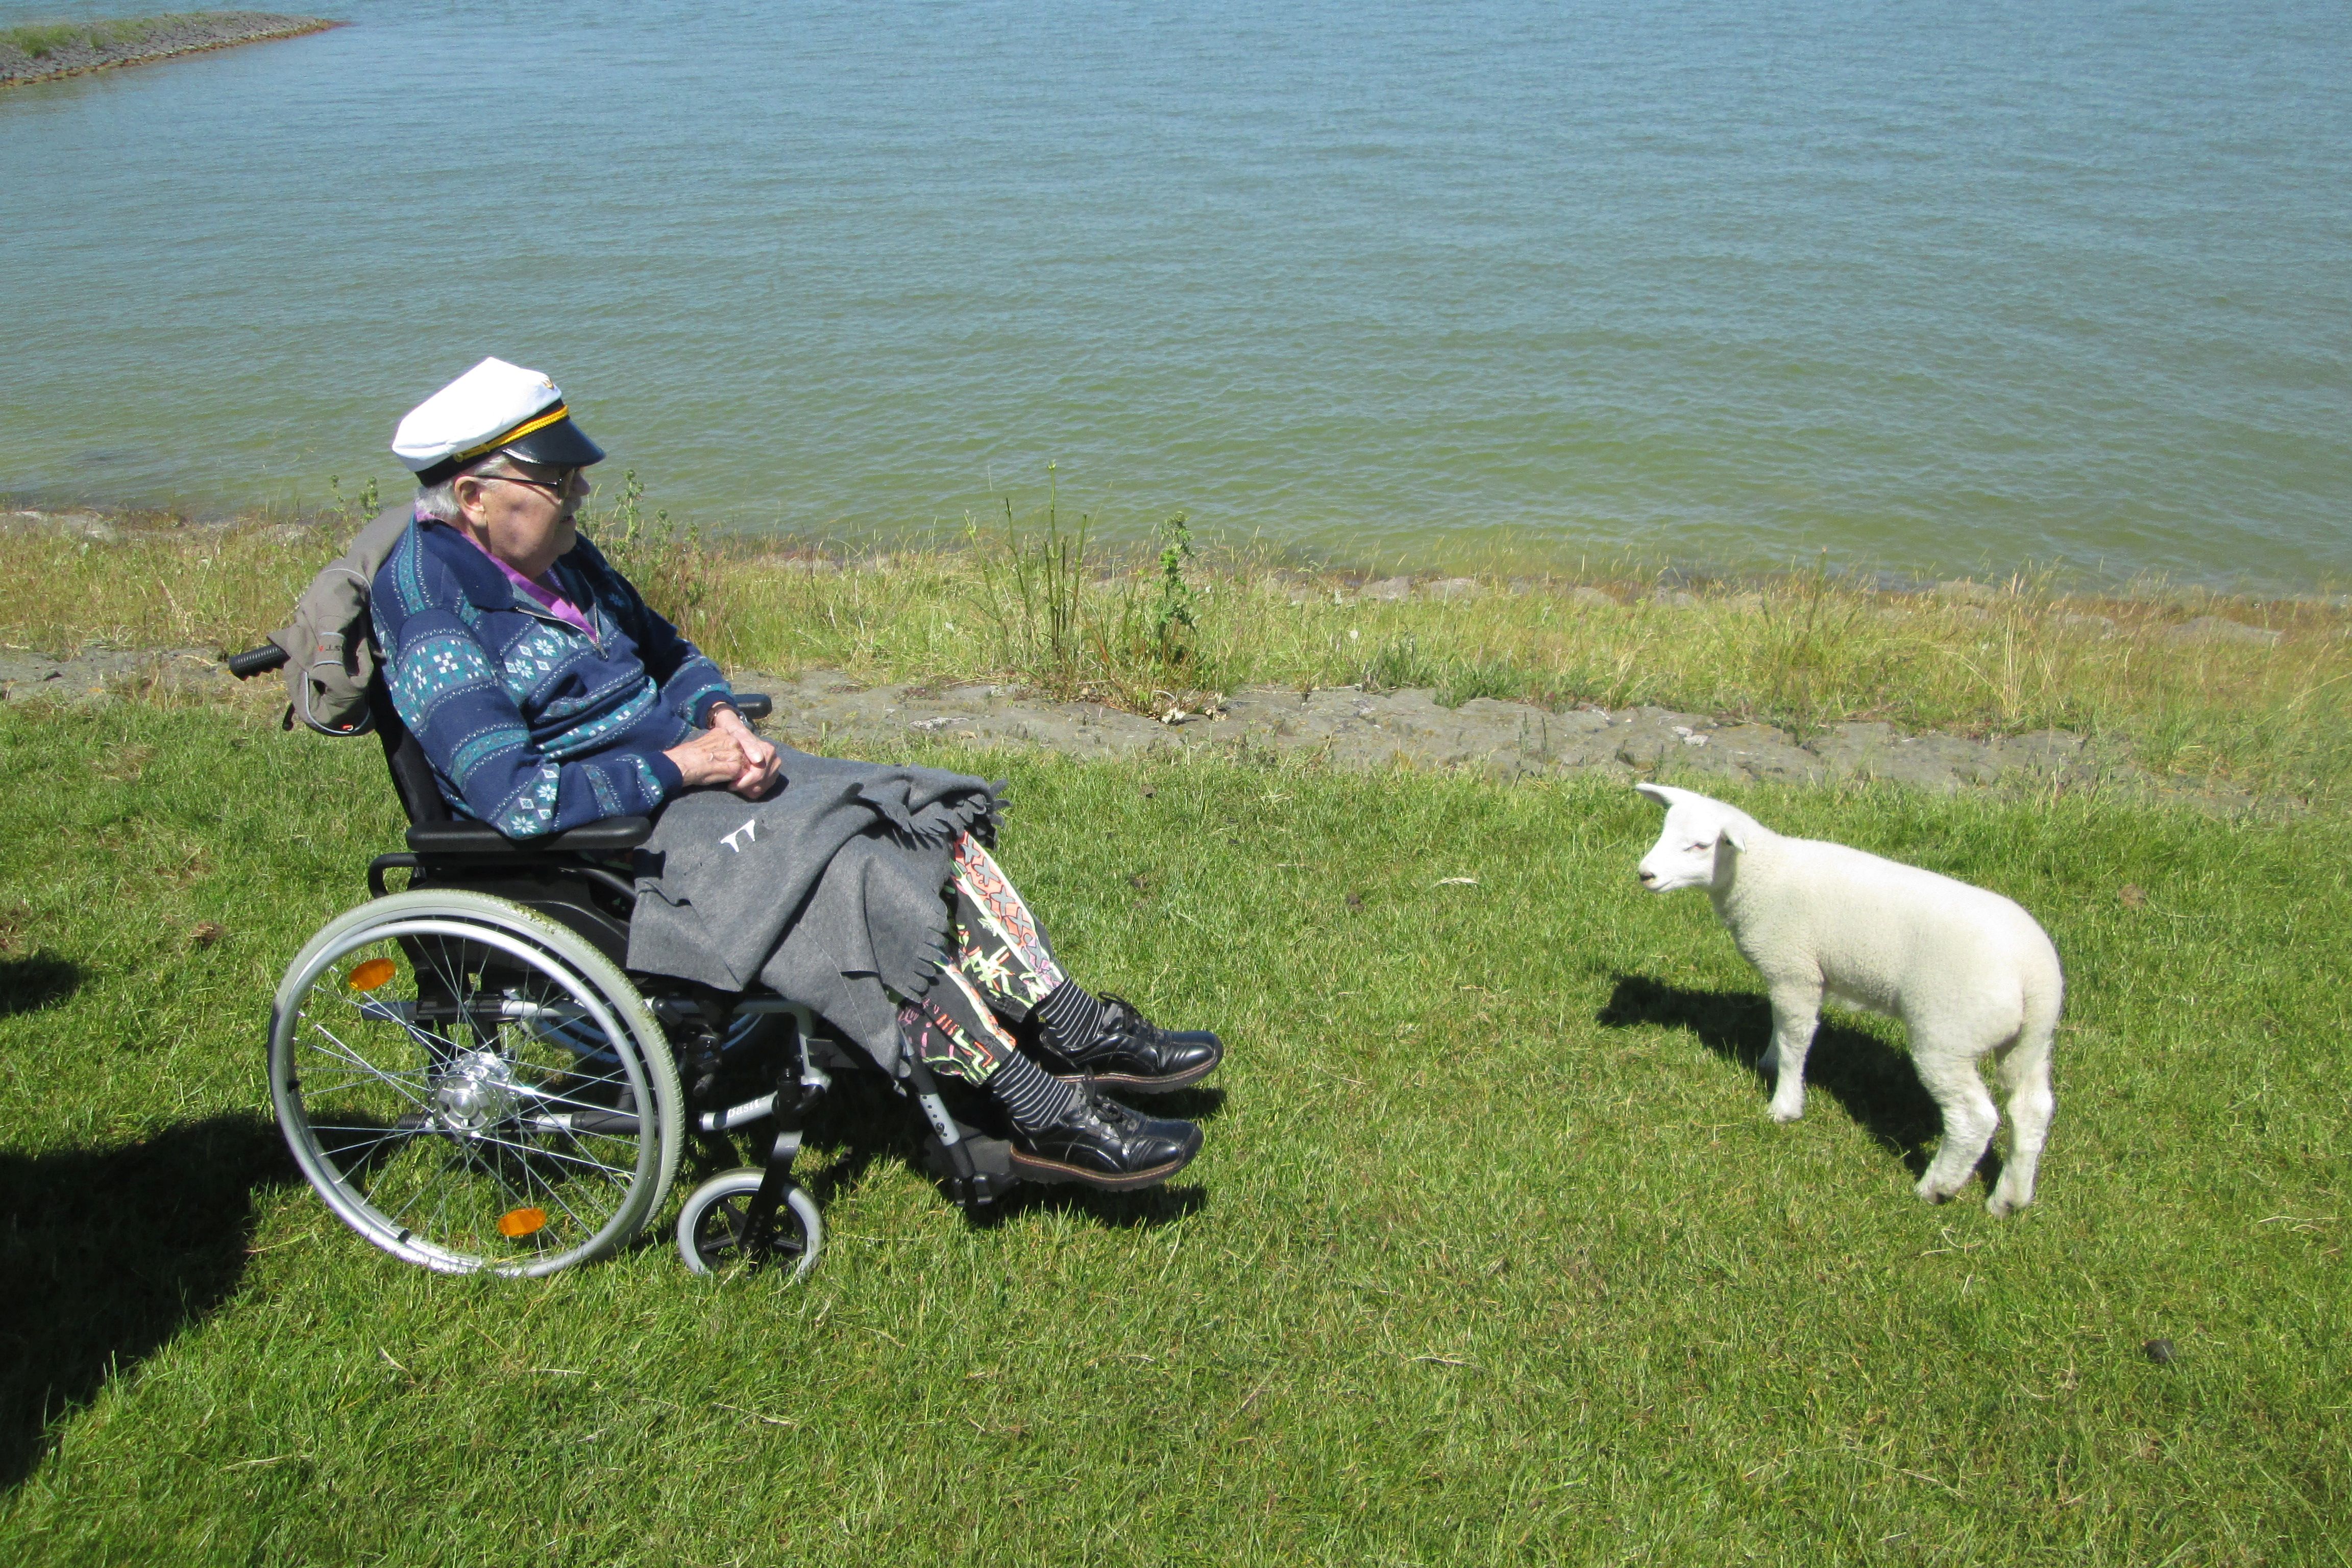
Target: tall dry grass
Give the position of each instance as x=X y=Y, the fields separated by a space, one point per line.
x=1032 y=603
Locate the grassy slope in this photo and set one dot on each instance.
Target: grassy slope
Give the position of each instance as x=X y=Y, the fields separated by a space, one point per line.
x=39 y=40
x=1492 y=1255
x=2277 y=719
x=43 y=40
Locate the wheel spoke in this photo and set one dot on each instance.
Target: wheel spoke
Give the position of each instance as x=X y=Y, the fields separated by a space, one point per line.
x=381 y=1075
x=319 y=1086
x=417 y=1033
x=382 y=1135
x=539 y=1178
x=617 y=1174
x=514 y=1200
x=550 y=1097
x=341 y=1056
x=439 y=1150
x=440 y=1202
x=557 y=1198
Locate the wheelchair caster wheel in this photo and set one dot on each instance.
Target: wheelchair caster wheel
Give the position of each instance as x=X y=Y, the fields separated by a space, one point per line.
x=710 y=1227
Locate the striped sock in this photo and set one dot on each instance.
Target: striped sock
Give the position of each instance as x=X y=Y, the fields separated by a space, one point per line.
x=1032 y=1096
x=1069 y=1019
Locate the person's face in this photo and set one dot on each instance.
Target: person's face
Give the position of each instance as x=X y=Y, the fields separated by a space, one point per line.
x=524 y=512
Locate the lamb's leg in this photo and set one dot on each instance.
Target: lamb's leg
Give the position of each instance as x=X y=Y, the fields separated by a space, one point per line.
x=1796 y=1013
x=1948 y=1069
x=2025 y=1074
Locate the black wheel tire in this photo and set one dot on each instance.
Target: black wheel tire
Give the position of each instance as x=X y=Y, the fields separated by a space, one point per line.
x=713 y=1213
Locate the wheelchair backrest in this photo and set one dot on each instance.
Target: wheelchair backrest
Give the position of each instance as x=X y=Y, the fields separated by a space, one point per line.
x=330 y=657
x=411 y=775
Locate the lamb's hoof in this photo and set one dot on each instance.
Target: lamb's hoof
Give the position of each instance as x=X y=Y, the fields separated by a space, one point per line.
x=2000 y=1205
x=1787 y=1112
x=1933 y=1195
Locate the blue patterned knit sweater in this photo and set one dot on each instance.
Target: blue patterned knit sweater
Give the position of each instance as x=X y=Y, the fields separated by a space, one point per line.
x=530 y=725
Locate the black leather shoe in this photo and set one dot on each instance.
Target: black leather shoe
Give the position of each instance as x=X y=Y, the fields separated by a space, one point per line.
x=1104 y=1144
x=1132 y=1053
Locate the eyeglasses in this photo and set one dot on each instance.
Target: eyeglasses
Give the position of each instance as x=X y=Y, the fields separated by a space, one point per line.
x=556 y=488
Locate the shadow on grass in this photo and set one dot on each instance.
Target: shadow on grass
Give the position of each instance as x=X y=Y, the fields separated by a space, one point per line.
x=1872 y=1080
x=1116 y=1211
x=107 y=1254
x=863 y=1123
x=30 y=983
x=1201 y=1102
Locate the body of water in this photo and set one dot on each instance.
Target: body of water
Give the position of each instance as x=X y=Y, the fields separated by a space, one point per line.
x=1931 y=288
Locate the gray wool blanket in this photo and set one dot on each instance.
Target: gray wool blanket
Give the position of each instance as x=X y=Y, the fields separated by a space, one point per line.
x=828 y=890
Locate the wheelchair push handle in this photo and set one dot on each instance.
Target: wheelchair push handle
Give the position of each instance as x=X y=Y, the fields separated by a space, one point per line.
x=256 y=661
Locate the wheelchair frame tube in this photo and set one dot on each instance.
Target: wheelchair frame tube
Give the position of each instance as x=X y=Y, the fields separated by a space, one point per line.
x=935 y=1110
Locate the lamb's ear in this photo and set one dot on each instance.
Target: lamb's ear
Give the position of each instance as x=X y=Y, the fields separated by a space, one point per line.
x=1735 y=826
x=1662 y=793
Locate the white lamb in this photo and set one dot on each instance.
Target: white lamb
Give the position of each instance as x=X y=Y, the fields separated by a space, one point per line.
x=1966 y=970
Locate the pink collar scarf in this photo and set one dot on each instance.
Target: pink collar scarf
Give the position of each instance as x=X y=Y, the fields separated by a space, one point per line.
x=546 y=594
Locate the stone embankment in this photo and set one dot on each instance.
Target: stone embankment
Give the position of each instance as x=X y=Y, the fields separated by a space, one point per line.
x=41 y=52
x=1352 y=728
x=1346 y=727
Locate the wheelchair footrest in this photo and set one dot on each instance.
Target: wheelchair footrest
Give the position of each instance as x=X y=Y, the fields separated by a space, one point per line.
x=976 y=1170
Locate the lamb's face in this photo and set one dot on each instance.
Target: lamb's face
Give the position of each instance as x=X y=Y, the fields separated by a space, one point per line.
x=1684 y=856
x=1689 y=851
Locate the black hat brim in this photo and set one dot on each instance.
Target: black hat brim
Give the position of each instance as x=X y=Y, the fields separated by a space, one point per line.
x=562 y=445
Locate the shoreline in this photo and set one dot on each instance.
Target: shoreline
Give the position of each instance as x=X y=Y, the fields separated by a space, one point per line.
x=2236 y=702
x=1347 y=729
x=1629 y=573
x=185 y=33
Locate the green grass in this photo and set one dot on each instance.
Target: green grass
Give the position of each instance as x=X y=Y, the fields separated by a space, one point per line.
x=1802 y=651
x=1492 y=1255
x=39 y=40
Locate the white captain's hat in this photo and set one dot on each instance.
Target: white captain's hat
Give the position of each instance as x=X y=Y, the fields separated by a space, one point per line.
x=493 y=407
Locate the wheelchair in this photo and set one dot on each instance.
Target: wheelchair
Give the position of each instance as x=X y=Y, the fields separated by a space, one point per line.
x=471 y=1079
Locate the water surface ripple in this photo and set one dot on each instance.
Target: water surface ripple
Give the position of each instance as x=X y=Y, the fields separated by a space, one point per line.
x=1929 y=287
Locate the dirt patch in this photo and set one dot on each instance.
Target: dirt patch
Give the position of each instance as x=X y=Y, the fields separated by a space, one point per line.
x=1343 y=727
x=1349 y=727
x=104 y=674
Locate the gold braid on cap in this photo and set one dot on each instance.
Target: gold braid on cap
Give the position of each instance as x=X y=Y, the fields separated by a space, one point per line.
x=539 y=421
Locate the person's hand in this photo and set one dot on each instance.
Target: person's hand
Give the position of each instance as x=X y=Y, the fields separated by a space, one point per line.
x=710 y=758
x=761 y=763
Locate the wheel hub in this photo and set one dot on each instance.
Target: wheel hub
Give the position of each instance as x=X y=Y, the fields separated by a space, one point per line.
x=478 y=1093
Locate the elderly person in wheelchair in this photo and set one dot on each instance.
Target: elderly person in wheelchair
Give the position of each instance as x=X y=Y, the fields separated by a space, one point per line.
x=854 y=907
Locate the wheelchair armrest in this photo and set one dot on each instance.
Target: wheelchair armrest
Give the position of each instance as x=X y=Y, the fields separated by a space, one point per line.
x=754 y=704
x=613 y=834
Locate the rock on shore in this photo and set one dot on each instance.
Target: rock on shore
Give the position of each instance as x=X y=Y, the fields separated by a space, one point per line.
x=1349 y=727
x=39 y=52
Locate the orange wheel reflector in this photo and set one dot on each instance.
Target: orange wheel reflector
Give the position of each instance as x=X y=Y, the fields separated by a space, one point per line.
x=371 y=975
x=516 y=1224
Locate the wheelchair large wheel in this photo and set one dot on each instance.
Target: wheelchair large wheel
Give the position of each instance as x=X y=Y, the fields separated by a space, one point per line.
x=472 y=1087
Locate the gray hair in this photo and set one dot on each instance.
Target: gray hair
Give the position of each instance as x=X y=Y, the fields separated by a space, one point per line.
x=441 y=500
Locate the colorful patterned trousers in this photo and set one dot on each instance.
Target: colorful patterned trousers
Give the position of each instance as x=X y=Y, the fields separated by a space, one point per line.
x=1001 y=968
